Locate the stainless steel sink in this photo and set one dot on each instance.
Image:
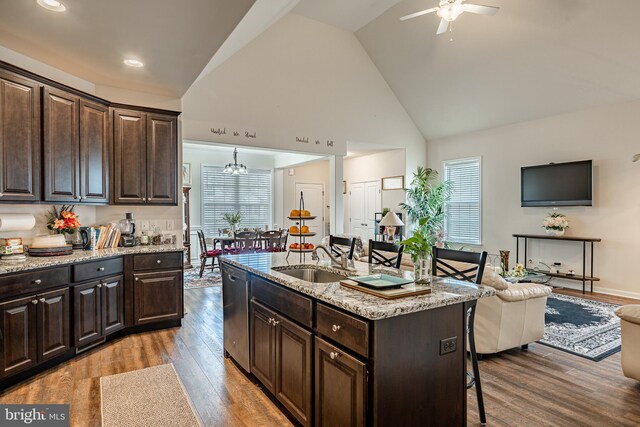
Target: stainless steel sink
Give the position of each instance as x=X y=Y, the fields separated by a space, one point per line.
x=312 y=275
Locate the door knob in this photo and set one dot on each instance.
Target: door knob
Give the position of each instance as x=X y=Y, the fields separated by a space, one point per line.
x=35 y=301
x=37 y=282
x=335 y=328
x=137 y=278
x=100 y=268
x=99 y=285
x=159 y=262
x=42 y=300
x=334 y=355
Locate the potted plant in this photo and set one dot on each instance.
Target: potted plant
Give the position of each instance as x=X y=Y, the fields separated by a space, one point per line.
x=233 y=219
x=425 y=208
x=555 y=224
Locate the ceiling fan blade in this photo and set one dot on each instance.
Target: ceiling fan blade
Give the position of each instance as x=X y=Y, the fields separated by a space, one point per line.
x=479 y=9
x=422 y=12
x=443 y=27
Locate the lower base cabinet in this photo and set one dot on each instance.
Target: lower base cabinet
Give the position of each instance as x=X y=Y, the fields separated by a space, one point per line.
x=157 y=296
x=98 y=310
x=281 y=358
x=340 y=387
x=33 y=329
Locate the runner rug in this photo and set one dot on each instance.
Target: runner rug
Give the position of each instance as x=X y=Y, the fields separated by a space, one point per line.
x=146 y=397
x=589 y=329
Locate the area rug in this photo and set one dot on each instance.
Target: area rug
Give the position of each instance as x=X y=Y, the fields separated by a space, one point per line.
x=209 y=278
x=586 y=328
x=146 y=397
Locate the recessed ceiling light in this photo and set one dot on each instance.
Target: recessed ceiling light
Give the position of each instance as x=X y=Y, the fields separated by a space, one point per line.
x=133 y=63
x=53 y=5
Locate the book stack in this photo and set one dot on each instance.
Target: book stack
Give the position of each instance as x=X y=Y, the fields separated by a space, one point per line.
x=105 y=236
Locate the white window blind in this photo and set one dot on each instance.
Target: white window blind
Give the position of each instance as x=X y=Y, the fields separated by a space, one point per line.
x=221 y=193
x=463 y=210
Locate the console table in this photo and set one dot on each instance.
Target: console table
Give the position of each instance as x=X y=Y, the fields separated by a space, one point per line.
x=582 y=278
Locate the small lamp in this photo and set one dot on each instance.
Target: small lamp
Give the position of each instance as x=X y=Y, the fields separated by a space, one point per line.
x=390 y=222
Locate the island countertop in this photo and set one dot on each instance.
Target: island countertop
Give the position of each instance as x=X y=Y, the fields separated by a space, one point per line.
x=34 y=263
x=444 y=291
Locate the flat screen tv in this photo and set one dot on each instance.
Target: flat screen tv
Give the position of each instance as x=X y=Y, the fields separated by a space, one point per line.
x=557 y=184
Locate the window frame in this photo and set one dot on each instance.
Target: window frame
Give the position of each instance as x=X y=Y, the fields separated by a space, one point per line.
x=445 y=164
x=269 y=172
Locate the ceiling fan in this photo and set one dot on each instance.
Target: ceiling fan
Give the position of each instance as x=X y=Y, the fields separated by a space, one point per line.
x=449 y=10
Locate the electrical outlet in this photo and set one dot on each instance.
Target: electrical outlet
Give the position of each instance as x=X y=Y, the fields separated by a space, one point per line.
x=154 y=223
x=144 y=225
x=448 y=345
x=170 y=225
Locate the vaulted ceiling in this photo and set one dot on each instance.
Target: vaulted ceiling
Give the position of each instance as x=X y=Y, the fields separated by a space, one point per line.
x=174 y=39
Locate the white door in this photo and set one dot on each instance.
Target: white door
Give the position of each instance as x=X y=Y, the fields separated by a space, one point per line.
x=357 y=211
x=373 y=204
x=314 y=203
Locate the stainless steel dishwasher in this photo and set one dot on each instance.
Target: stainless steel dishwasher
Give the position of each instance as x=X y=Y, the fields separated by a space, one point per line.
x=235 y=302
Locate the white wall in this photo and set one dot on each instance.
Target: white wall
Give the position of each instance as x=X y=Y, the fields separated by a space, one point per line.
x=300 y=78
x=374 y=167
x=316 y=172
x=607 y=135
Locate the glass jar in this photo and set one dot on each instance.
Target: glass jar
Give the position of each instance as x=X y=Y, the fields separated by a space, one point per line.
x=422 y=270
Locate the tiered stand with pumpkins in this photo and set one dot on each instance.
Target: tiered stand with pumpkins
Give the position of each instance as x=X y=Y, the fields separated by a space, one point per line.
x=300 y=230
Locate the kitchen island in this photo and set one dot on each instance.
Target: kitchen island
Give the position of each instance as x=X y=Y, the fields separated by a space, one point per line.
x=336 y=356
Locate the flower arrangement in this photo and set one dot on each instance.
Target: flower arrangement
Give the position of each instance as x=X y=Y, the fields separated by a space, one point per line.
x=63 y=221
x=233 y=219
x=555 y=223
x=518 y=272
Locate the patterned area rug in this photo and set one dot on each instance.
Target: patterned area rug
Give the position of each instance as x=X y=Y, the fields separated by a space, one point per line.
x=586 y=328
x=209 y=279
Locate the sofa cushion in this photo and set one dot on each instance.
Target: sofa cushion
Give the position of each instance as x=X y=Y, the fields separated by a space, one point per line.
x=524 y=291
x=630 y=313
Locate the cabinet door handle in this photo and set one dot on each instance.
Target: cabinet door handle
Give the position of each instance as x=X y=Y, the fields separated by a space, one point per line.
x=37 y=282
x=275 y=322
x=334 y=355
x=35 y=301
x=336 y=328
x=1 y=194
x=270 y=321
x=99 y=285
x=159 y=261
x=42 y=300
x=137 y=278
x=100 y=268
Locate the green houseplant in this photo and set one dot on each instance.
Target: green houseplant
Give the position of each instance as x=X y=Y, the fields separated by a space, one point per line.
x=425 y=208
x=233 y=219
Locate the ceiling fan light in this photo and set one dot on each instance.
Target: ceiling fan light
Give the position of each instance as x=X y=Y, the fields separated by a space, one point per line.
x=450 y=12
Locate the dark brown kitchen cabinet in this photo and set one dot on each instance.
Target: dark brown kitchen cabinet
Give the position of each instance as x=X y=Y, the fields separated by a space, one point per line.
x=76 y=148
x=19 y=342
x=34 y=329
x=157 y=296
x=98 y=309
x=61 y=146
x=281 y=358
x=19 y=138
x=94 y=152
x=340 y=387
x=53 y=324
x=145 y=158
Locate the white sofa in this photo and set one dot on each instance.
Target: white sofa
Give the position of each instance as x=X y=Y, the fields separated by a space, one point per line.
x=630 y=324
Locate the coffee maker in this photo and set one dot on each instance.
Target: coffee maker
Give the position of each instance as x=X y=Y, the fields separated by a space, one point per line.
x=127 y=229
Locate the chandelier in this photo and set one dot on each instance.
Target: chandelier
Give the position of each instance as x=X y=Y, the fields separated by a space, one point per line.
x=235 y=168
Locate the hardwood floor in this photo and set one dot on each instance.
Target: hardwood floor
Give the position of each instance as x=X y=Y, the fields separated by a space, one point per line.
x=541 y=386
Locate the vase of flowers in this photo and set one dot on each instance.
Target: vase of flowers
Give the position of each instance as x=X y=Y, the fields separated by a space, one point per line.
x=63 y=220
x=555 y=224
x=233 y=219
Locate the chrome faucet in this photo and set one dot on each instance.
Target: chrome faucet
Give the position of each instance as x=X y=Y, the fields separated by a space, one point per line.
x=342 y=263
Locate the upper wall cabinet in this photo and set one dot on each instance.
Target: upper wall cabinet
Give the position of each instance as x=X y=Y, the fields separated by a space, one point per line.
x=76 y=148
x=145 y=169
x=19 y=138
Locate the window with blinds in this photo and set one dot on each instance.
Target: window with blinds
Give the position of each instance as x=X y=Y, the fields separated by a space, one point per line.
x=221 y=193
x=463 y=210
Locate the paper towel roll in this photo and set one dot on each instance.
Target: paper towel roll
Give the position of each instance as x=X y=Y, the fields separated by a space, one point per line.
x=17 y=222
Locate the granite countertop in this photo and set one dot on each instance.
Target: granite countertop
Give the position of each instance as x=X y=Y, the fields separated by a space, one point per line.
x=444 y=291
x=33 y=263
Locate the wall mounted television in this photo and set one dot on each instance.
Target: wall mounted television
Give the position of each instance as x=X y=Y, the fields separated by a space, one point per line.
x=557 y=184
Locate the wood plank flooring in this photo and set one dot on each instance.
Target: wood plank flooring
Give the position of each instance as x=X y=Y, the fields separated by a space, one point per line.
x=538 y=387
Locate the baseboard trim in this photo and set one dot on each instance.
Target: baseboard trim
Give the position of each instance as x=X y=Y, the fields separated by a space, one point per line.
x=601 y=290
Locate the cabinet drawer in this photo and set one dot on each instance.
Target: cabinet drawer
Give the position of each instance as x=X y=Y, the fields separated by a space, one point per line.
x=33 y=281
x=344 y=329
x=157 y=261
x=96 y=269
x=287 y=302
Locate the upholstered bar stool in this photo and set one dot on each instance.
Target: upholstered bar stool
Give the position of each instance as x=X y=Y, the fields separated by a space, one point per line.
x=630 y=324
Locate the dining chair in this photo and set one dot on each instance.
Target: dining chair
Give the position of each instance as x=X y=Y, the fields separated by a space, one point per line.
x=270 y=241
x=283 y=240
x=467 y=267
x=385 y=253
x=340 y=245
x=206 y=253
x=246 y=241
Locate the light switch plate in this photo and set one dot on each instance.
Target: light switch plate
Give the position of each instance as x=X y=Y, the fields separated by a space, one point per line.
x=154 y=223
x=144 y=225
x=170 y=225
